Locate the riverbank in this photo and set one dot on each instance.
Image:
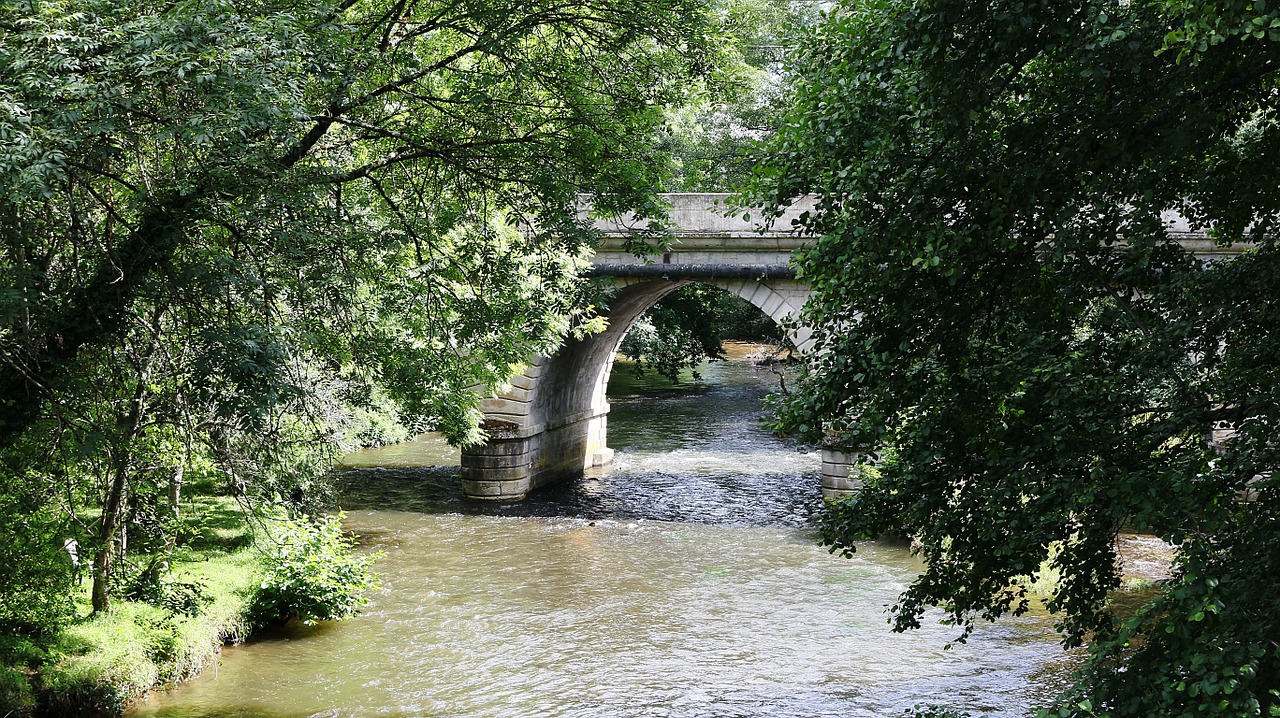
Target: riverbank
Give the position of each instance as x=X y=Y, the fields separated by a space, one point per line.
x=100 y=664
x=231 y=573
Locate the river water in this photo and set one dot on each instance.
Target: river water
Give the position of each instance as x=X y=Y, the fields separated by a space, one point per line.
x=683 y=581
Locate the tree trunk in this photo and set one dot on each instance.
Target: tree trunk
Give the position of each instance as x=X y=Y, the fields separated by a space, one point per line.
x=111 y=512
x=175 y=495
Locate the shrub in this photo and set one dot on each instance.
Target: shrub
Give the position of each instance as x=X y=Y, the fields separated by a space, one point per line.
x=176 y=597
x=314 y=575
x=37 y=574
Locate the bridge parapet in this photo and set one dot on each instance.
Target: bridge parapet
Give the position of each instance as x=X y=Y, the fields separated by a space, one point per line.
x=706 y=231
x=708 y=241
x=706 y=214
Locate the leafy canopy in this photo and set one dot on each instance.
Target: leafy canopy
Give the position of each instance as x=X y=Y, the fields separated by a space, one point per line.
x=229 y=227
x=386 y=181
x=1002 y=317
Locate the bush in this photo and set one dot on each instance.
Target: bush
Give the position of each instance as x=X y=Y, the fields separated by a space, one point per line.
x=176 y=597
x=313 y=575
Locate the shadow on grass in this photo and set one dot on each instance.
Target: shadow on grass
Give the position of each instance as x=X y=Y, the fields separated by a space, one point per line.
x=213 y=523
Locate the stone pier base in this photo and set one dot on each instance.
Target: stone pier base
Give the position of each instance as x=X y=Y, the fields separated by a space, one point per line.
x=517 y=460
x=839 y=474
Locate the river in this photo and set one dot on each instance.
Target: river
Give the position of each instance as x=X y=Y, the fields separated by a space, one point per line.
x=683 y=581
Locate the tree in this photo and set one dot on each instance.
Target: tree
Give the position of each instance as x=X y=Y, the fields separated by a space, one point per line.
x=1001 y=317
x=713 y=136
x=329 y=145
x=224 y=221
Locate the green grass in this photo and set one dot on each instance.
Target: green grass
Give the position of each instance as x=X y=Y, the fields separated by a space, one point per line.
x=216 y=589
x=16 y=693
x=100 y=664
x=105 y=662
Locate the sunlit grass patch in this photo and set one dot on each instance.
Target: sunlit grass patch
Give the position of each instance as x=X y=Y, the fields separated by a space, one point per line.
x=214 y=523
x=105 y=662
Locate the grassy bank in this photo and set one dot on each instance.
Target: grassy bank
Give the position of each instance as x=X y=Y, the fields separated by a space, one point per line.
x=104 y=663
x=100 y=664
x=224 y=580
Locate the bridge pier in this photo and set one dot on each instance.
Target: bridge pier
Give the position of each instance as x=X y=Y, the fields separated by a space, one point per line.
x=552 y=424
x=840 y=474
x=518 y=460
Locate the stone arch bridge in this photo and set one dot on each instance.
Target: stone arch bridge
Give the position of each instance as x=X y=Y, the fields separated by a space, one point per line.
x=552 y=422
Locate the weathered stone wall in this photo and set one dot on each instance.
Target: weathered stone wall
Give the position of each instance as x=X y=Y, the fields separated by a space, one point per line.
x=839 y=474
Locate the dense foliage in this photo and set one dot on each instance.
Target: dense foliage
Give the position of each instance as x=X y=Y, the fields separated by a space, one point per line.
x=713 y=136
x=36 y=580
x=229 y=229
x=689 y=326
x=1004 y=323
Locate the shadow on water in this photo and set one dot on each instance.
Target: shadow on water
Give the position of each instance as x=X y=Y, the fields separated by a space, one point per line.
x=765 y=499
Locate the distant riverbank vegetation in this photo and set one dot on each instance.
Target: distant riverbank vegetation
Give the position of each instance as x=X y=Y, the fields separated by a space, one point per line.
x=689 y=326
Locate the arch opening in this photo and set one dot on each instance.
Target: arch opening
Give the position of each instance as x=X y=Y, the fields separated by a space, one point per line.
x=690 y=326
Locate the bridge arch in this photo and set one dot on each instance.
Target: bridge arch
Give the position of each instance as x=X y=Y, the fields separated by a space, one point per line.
x=552 y=423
